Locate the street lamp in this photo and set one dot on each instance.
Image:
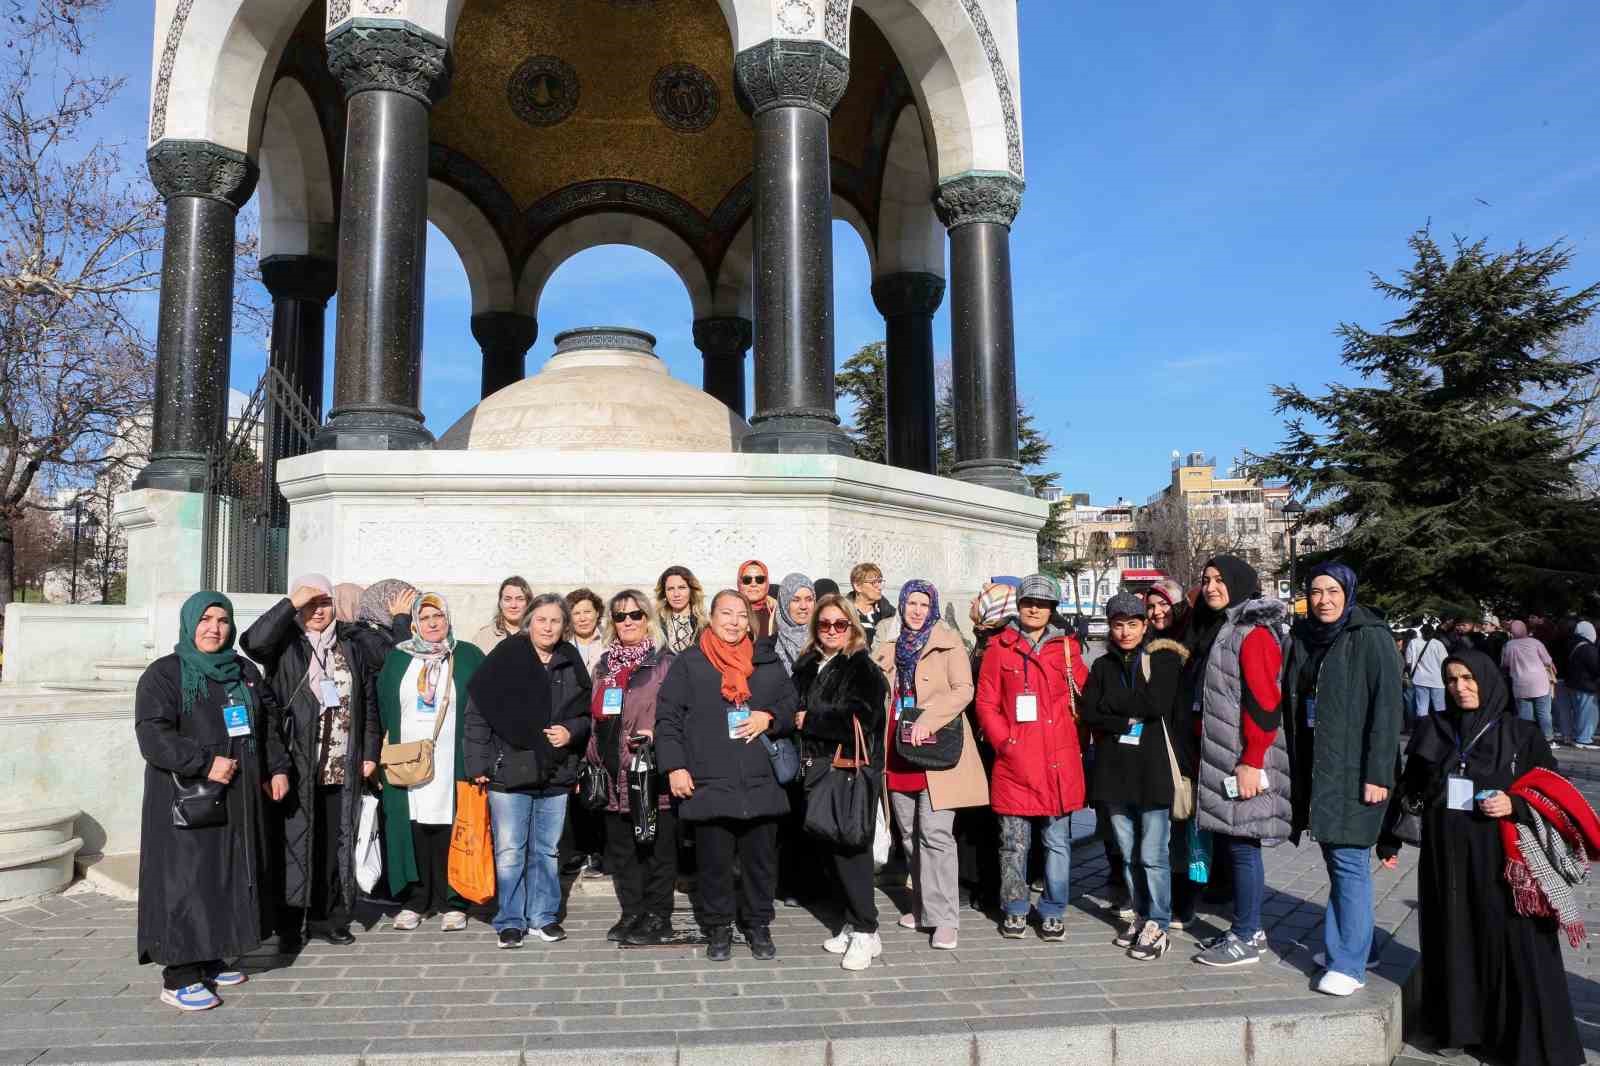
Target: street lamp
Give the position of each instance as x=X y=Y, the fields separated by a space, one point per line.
x=79 y=522
x=1292 y=510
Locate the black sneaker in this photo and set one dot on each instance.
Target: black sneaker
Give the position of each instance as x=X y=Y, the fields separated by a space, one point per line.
x=719 y=943
x=761 y=945
x=1126 y=938
x=511 y=938
x=1052 y=930
x=649 y=931
x=619 y=932
x=553 y=933
x=1014 y=926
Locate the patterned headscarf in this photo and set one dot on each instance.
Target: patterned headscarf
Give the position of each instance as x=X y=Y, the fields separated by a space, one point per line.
x=908 y=646
x=375 y=601
x=791 y=634
x=995 y=606
x=429 y=651
x=346 y=601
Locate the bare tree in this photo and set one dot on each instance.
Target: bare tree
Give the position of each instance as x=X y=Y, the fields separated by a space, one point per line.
x=1182 y=538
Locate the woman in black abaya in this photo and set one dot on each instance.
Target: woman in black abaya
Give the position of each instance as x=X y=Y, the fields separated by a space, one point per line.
x=1492 y=979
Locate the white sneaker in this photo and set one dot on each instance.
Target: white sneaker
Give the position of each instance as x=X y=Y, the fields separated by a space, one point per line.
x=1321 y=959
x=406 y=921
x=453 y=921
x=864 y=947
x=1334 y=983
x=838 y=945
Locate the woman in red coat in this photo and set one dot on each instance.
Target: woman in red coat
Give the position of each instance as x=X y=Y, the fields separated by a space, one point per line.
x=1025 y=705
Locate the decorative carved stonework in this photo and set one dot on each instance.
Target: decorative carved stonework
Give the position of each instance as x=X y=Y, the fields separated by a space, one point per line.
x=604 y=338
x=1002 y=84
x=684 y=97
x=836 y=24
x=672 y=211
x=169 y=57
x=543 y=91
x=992 y=198
x=401 y=59
x=780 y=73
x=796 y=17
x=200 y=168
x=908 y=293
x=338 y=11
x=729 y=335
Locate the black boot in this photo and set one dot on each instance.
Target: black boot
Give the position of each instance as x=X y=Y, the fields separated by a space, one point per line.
x=649 y=931
x=719 y=947
x=761 y=945
x=619 y=932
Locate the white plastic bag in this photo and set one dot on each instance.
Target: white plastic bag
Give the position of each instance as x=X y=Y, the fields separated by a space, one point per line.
x=880 y=838
x=369 y=852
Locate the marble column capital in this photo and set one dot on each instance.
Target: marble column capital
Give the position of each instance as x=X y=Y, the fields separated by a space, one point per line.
x=991 y=198
x=780 y=73
x=389 y=57
x=300 y=277
x=911 y=292
x=201 y=168
x=724 y=335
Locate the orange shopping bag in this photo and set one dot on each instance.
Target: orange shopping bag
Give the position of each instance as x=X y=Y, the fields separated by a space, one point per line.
x=471 y=846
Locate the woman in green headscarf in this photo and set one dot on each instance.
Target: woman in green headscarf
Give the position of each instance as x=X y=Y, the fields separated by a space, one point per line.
x=203 y=713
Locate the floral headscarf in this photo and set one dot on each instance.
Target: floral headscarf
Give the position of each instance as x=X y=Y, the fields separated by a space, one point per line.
x=908 y=646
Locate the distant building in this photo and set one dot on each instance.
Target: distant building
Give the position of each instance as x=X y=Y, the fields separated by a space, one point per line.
x=1103 y=550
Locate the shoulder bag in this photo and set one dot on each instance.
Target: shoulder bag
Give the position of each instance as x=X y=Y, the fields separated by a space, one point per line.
x=840 y=798
x=1182 y=786
x=785 y=759
x=943 y=750
x=200 y=804
x=518 y=768
x=594 y=786
x=410 y=764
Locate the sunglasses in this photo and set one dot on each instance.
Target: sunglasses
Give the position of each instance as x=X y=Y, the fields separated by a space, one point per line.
x=627 y=616
x=838 y=625
x=1037 y=605
x=754 y=579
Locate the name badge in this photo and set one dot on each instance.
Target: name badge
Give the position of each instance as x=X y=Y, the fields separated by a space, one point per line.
x=330 y=692
x=1132 y=736
x=907 y=703
x=1311 y=712
x=737 y=716
x=611 y=702
x=1027 y=707
x=236 y=716
x=1458 y=793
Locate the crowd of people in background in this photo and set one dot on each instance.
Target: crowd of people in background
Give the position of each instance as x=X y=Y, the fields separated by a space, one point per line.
x=763 y=742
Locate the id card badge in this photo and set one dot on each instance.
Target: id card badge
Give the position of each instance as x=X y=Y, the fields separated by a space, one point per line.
x=611 y=702
x=737 y=716
x=1132 y=736
x=1458 y=793
x=1311 y=713
x=329 y=692
x=1027 y=707
x=908 y=703
x=236 y=716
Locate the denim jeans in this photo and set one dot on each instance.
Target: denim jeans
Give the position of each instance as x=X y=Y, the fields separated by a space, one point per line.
x=1537 y=709
x=527 y=879
x=1347 y=927
x=1249 y=884
x=1016 y=834
x=1585 y=712
x=1425 y=700
x=1142 y=836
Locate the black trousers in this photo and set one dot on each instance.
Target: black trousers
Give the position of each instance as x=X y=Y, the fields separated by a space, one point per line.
x=327 y=910
x=977 y=831
x=799 y=855
x=189 y=973
x=583 y=834
x=717 y=844
x=643 y=877
x=431 y=890
x=853 y=871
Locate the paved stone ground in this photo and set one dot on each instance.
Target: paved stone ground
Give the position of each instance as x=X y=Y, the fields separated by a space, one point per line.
x=71 y=992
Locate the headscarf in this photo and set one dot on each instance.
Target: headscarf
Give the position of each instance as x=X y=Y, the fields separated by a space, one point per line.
x=1243 y=584
x=432 y=656
x=321 y=643
x=1171 y=593
x=375 y=601
x=735 y=662
x=791 y=634
x=196 y=667
x=346 y=601
x=908 y=646
x=1493 y=699
x=1585 y=630
x=825 y=586
x=1518 y=630
x=994 y=606
x=1321 y=634
x=738 y=577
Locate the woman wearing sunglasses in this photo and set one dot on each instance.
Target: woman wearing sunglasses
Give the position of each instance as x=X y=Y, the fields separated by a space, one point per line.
x=756 y=589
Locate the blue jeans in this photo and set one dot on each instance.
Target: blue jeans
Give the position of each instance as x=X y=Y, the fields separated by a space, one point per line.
x=1142 y=835
x=1537 y=709
x=527 y=881
x=1585 y=716
x=1347 y=926
x=1249 y=884
x=1425 y=700
x=1016 y=834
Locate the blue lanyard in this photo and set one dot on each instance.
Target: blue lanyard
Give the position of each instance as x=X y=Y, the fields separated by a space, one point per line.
x=1462 y=750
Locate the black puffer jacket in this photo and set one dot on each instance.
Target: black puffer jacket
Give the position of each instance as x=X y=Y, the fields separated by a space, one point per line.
x=569 y=707
x=1583 y=666
x=849 y=686
x=1116 y=697
x=732 y=778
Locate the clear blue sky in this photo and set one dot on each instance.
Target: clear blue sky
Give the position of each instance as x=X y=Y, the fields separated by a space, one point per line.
x=1209 y=184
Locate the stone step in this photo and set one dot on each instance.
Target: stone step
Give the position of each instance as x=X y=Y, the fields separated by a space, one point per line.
x=38 y=870
x=124 y=671
x=36 y=828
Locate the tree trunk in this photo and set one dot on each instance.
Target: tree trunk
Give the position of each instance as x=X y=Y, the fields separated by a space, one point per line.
x=7 y=561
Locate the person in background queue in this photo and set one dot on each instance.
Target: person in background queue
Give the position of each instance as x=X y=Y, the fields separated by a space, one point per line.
x=1026 y=694
x=1341 y=679
x=1527 y=661
x=838 y=688
x=718 y=699
x=866 y=596
x=680 y=609
x=530 y=695
x=927 y=670
x=1583 y=679
x=756 y=591
x=327 y=691
x=204 y=714
x=422 y=694
x=510 y=615
x=1425 y=655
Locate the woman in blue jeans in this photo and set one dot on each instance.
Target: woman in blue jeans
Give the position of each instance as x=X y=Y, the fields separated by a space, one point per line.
x=1342 y=685
x=527 y=719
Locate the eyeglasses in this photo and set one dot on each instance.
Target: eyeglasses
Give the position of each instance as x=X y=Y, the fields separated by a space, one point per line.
x=838 y=625
x=874 y=581
x=618 y=617
x=754 y=579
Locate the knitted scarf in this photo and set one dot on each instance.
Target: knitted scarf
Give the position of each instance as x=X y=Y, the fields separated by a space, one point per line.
x=621 y=660
x=196 y=667
x=1546 y=859
x=908 y=646
x=735 y=662
x=791 y=634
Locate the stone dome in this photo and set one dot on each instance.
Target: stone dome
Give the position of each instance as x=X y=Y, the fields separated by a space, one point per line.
x=603 y=390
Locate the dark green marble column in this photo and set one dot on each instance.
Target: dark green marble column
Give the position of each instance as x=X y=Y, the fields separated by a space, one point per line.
x=907 y=302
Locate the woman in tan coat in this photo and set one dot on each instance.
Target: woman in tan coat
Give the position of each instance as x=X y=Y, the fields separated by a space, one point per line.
x=927 y=668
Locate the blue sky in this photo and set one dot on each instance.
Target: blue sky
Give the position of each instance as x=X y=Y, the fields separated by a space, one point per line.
x=1209 y=184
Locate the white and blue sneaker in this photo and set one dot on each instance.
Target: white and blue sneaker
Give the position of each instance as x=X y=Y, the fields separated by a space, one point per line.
x=228 y=978
x=190 y=998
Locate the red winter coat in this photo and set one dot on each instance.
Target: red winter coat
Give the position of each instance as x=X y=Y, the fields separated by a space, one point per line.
x=1038 y=766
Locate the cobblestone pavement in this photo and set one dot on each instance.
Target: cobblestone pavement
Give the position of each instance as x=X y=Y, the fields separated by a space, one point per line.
x=70 y=991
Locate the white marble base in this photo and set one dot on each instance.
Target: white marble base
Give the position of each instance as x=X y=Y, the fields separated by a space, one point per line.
x=166 y=538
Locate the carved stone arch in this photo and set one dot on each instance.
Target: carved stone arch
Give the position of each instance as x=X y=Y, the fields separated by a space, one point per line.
x=599 y=228
x=476 y=242
x=296 y=185
x=910 y=236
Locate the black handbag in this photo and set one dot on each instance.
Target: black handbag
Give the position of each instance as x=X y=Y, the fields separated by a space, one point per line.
x=643 y=792
x=1407 y=827
x=519 y=768
x=201 y=804
x=785 y=759
x=594 y=787
x=942 y=753
x=839 y=798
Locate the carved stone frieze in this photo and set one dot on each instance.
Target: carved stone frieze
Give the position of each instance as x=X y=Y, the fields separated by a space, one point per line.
x=781 y=73
x=992 y=198
x=200 y=168
x=400 y=59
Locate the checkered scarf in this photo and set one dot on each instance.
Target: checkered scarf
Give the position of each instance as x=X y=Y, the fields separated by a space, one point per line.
x=1548 y=855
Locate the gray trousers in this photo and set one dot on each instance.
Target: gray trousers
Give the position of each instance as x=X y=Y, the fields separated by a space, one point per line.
x=934 y=867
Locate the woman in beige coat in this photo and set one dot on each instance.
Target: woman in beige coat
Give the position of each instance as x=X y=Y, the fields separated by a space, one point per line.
x=927 y=668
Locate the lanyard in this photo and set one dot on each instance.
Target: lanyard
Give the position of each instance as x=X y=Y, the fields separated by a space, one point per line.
x=1462 y=750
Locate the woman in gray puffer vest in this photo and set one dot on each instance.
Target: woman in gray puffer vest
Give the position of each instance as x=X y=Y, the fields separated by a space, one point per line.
x=1243 y=788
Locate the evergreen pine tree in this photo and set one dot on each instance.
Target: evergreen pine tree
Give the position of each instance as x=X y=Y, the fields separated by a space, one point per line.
x=862 y=380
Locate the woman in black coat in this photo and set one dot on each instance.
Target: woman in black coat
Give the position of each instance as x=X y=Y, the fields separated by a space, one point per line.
x=324 y=680
x=203 y=714
x=718 y=699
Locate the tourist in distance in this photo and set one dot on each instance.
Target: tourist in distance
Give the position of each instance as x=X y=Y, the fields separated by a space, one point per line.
x=719 y=697
x=928 y=671
x=422 y=695
x=1131 y=698
x=202 y=715
x=1583 y=679
x=1026 y=694
x=838 y=687
x=866 y=595
x=680 y=609
x=1533 y=675
x=510 y=614
x=797 y=858
x=587 y=611
x=1424 y=657
x=1341 y=682
x=530 y=697
x=1492 y=979
x=755 y=589
x=321 y=680
x=627 y=680
x=977 y=829
x=797 y=598
x=1231 y=685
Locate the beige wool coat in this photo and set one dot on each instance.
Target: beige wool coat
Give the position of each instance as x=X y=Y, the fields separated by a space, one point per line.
x=944 y=690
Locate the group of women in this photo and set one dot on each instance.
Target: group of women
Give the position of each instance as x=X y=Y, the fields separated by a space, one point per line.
x=257 y=765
